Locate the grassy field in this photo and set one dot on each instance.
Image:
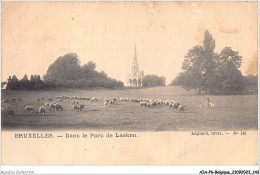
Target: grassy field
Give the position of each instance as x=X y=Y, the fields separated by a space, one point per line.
x=229 y=113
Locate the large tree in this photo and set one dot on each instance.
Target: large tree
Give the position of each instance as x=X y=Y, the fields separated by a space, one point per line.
x=13 y=83
x=205 y=70
x=66 y=67
x=192 y=75
x=66 y=71
x=199 y=64
x=227 y=77
x=153 y=80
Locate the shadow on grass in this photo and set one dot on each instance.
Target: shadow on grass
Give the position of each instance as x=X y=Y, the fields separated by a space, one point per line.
x=92 y=110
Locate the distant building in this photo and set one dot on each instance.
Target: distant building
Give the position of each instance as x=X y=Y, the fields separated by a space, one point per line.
x=135 y=78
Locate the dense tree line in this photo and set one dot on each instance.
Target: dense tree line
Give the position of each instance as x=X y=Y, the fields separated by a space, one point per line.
x=251 y=84
x=153 y=80
x=67 y=72
x=206 y=70
x=34 y=83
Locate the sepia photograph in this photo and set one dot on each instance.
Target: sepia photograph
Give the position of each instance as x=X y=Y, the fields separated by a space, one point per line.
x=164 y=81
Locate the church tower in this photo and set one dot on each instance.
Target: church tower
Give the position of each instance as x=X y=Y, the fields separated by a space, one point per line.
x=135 y=78
x=135 y=67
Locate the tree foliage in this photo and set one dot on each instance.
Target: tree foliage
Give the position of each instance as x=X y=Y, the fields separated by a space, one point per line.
x=66 y=67
x=66 y=71
x=153 y=80
x=35 y=83
x=205 y=70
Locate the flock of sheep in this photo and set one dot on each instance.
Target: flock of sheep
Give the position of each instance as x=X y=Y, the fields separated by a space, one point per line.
x=78 y=104
x=152 y=103
x=8 y=110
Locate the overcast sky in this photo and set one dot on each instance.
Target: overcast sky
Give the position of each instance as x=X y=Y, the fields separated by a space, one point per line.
x=35 y=34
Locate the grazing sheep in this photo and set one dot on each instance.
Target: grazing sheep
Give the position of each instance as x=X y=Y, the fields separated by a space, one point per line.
x=29 y=108
x=42 y=110
x=170 y=105
x=93 y=99
x=75 y=102
x=81 y=106
x=13 y=100
x=135 y=100
x=47 y=104
x=202 y=105
x=5 y=101
x=147 y=104
x=49 y=99
x=52 y=106
x=105 y=103
x=142 y=103
x=181 y=108
x=174 y=105
x=3 y=111
x=58 y=107
x=211 y=104
x=7 y=110
x=153 y=103
x=76 y=107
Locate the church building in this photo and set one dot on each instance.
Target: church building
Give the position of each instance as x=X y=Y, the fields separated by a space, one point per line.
x=135 y=78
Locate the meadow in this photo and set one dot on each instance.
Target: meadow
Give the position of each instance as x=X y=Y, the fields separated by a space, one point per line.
x=238 y=112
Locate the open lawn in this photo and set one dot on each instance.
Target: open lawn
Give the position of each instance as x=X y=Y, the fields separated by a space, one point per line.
x=237 y=112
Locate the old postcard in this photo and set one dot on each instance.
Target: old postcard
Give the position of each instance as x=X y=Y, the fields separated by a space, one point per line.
x=129 y=83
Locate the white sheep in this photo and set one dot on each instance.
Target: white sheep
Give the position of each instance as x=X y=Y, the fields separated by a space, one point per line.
x=93 y=99
x=29 y=108
x=52 y=106
x=181 y=108
x=46 y=104
x=142 y=103
x=211 y=104
x=202 y=105
x=75 y=102
x=42 y=110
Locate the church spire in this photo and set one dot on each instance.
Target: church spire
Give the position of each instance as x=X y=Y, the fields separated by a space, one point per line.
x=136 y=77
x=135 y=57
x=135 y=67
